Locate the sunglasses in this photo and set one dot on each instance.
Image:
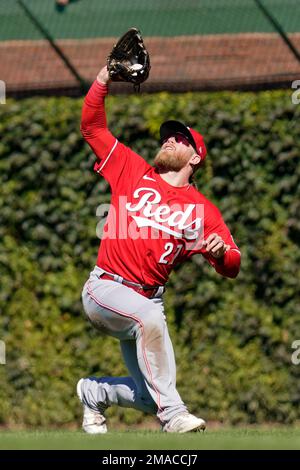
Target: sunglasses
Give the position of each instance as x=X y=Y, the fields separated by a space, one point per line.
x=179 y=138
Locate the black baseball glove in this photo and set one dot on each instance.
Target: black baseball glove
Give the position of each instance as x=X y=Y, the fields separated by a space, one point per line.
x=129 y=60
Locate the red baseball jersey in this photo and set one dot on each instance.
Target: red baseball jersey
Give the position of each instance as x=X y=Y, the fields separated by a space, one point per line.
x=151 y=225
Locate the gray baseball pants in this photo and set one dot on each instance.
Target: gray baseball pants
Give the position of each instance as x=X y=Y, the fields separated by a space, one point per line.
x=140 y=325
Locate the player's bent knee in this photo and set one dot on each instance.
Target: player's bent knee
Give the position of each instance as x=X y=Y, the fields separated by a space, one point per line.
x=154 y=322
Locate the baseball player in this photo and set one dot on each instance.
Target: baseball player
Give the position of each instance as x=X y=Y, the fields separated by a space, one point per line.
x=156 y=220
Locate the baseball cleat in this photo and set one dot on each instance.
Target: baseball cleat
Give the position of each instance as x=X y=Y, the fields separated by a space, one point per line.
x=93 y=421
x=185 y=422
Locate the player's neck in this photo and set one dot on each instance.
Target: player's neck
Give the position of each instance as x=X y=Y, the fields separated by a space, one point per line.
x=175 y=178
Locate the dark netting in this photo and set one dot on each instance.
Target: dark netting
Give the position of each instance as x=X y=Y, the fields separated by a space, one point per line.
x=58 y=45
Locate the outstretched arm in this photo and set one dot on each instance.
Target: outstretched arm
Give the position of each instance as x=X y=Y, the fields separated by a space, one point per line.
x=93 y=121
x=115 y=160
x=103 y=76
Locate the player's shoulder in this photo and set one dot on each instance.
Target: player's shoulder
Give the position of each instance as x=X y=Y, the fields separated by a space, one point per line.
x=202 y=199
x=199 y=196
x=139 y=164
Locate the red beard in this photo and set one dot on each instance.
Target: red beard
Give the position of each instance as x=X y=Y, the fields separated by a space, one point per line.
x=169 y=160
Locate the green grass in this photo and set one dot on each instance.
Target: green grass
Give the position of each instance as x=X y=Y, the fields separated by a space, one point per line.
x=278 y=438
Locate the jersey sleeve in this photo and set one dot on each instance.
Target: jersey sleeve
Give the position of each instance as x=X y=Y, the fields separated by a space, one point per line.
x=229 y=264
x=117 y=163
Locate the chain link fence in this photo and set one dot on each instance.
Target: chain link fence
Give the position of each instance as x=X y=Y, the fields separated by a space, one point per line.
x=57 y=46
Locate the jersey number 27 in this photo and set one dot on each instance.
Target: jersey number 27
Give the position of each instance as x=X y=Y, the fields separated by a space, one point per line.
x=169 y=250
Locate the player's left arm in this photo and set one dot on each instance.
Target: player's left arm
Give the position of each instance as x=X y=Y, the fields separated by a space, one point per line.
x=115 y=161
x=219 y=248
